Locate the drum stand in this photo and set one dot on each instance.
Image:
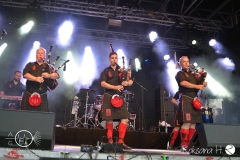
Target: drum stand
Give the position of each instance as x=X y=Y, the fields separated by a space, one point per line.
x=75 y=108
x=131 y=125
x=87 y=117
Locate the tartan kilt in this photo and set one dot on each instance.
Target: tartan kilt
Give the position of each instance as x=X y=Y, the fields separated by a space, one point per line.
x=26 y=106
x=109 y=112
x=187 y=113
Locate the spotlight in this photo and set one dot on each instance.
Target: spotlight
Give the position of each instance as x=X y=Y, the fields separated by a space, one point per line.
x=137 y=64
x=194 y=42
x=65 y=33
x=2 y=48
x=166 y=57
x=153 y=36
x=26 y=27
x=212 y=42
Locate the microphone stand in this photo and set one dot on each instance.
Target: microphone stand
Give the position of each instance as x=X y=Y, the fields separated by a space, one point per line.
x=142 y=108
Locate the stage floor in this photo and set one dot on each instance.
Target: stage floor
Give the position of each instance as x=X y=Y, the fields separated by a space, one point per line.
x=73 y=152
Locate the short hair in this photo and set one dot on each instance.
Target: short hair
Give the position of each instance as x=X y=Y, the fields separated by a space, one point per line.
x=182 y=58
x=112 y=53
x=41 y=49
x=17 y=72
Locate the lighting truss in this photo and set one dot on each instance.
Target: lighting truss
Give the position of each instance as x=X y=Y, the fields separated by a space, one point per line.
x=112 y=36
x=82 y=7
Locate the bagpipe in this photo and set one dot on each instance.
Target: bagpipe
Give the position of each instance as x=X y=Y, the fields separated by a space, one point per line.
x=125 y=75
x=53 y=83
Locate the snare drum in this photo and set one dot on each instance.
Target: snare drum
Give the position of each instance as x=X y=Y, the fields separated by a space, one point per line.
x=128 y=96
x=91 y=111
x=98 y=102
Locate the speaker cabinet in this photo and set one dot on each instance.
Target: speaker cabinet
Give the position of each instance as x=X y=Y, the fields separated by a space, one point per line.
x=163 y=104
x=25 y=129
x=215 y=139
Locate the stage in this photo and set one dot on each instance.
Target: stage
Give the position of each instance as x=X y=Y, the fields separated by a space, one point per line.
x=73 y=152
x=136 y=139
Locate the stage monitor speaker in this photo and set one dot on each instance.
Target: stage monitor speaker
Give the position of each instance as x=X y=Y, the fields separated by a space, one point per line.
x=25 y=129
x=215 y=139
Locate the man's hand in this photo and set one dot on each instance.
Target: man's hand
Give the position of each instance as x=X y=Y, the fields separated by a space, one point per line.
x=199 y=87
x=125 y=83
x=119 y=88
x=205 y=84
x=39 y=79
x=45 y=75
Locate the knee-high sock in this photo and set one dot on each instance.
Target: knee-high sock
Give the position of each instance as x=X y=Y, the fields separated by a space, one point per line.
x=109 y=127
x=121 y=131
x=184 y=137
x=173 y=137
x=191 y=132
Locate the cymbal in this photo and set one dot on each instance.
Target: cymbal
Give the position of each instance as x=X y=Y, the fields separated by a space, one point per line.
x=87 y=90
x=127 y=92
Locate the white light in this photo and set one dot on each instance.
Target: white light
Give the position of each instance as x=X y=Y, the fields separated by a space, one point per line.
x=27 y=27
x=65 y=33
x=228 y=63
x=120 y=55
x=2 y=48
x=212 y=42
x=153 y=36
x=137 y=65
x=166 y=57
x=194 y=42
x=88 y=69
x=172 y=71
x=216 y=88
x=70 y=75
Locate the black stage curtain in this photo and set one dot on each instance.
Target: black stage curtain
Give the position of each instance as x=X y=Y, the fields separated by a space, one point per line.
x=135 y=139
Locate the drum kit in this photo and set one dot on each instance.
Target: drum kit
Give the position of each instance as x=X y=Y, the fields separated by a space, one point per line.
x=91 y=117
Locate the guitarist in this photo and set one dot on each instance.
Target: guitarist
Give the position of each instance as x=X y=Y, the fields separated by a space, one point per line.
x=37 y=73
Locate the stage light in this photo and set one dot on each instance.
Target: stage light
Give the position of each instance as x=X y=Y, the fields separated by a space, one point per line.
x=166 y=57
x=2 y=48
x=70 y=75
x=65 y=33
x=26 y=28
x=212 y=42
x=171 y=72
x=88 y=69
x=137 y=65
x=120 y=55
x=228 y=63
x=194 y=42
x=216 y=88
x=153 y=36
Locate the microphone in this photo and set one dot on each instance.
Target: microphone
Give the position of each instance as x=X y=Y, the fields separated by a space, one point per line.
x=54 y=62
